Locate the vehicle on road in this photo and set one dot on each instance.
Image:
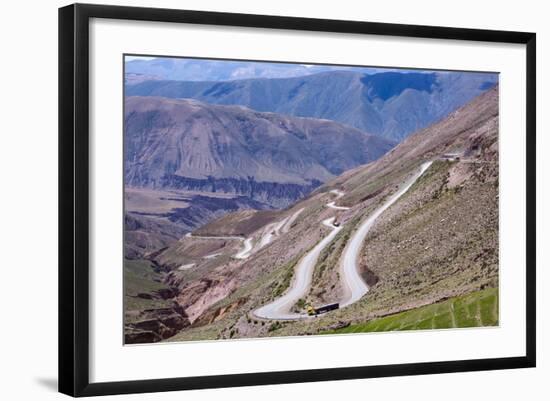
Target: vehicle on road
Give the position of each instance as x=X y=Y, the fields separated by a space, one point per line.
x=311 y=311
x=452 y=157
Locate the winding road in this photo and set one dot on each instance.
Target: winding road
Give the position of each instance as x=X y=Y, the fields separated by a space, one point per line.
x=280 y=308
x=270 y=231
x=291 y=220
x=354 y=286
x=245 y=252
x=332 y=204
x=242 y=254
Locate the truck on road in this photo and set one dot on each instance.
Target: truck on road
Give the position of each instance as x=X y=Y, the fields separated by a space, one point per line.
x=311 y=311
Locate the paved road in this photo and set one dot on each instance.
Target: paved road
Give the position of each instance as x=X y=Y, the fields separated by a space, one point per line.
x=332 y=204
x=242 y=254
x=354 y=286
x=270 y=232
x=280 y=308
x=292 y=219
x=245 y=252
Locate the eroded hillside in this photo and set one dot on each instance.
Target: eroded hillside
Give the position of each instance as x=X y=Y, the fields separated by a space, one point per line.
x=438 y=240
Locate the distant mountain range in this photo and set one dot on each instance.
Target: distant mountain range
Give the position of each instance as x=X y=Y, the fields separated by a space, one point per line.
x=271 y=158
x=389 y=104
x=188 y=69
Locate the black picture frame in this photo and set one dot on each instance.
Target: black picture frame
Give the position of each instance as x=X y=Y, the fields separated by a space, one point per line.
x=74 y=198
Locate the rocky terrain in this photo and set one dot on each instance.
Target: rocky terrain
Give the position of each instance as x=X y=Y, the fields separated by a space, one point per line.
x=241 y=223
x=241 y=160
x=150 y=314
x=439 y=240
x=389 y=104
x=155 y=219
x=267 y=157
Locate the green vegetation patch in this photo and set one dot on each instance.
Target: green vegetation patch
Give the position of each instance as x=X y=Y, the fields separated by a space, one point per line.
x=479 y=308
x=330 y=256
x=284 y=282
x=141 y=278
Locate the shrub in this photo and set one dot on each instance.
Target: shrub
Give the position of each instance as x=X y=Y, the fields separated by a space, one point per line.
x=301 y=303
x=274 y=326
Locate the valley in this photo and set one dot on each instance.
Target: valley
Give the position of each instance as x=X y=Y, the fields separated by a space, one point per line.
x=377 y=228
x=285 y=199
x=156 y=218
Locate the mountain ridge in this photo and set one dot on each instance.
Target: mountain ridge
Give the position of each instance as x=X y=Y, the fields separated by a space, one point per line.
x=235 y=148
x=189 y=69
x=387 y=104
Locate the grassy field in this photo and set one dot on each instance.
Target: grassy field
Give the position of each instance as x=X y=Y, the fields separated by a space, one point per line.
x=139 y=277
x=476 y=309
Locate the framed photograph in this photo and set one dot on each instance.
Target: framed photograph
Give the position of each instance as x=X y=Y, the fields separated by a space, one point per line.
x=250 y=199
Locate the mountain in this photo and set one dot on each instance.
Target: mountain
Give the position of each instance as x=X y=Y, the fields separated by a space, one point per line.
x=188 y=69
x=271 y=158
x=389 y=104
x=132 y=78
x=437 y=241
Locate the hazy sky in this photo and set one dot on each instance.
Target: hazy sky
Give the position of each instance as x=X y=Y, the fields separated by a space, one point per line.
x=130 y=58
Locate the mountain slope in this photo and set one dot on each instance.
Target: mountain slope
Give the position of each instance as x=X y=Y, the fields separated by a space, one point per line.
x=275 y=159
x=389 y=104
x=439 y=240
